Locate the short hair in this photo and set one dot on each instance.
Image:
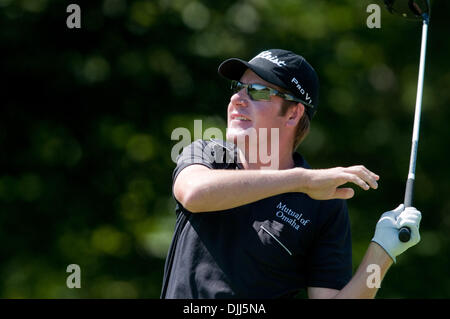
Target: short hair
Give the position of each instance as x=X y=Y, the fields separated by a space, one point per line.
x=303 y=125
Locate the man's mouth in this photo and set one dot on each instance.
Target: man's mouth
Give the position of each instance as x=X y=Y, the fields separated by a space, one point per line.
x=239 y=117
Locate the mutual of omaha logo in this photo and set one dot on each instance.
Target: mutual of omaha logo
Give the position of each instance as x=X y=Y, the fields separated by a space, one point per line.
x=290 y=217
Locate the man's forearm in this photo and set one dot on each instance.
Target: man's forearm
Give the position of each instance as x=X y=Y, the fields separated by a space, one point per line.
x=375 y=259
x=200 y=189
x=214 y=190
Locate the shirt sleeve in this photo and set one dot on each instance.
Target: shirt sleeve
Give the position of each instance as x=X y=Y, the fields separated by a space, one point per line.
x=330 y=262
x=195 y=153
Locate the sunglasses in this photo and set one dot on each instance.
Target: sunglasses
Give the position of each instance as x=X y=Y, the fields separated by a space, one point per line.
x=258 y=92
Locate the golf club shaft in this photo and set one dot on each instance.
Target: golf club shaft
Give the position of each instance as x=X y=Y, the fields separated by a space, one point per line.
x=404 y=232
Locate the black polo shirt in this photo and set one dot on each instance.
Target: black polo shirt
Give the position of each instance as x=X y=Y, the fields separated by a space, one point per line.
x=266 y=249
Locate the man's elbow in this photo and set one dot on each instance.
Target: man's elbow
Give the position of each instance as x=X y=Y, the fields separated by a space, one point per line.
x=192 y=202
x=191 y=198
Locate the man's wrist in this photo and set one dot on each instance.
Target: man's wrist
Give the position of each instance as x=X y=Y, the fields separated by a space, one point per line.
x=301 y=181
x=380 y=253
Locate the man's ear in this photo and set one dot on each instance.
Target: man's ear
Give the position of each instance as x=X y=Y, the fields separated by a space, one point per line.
x=295 y=113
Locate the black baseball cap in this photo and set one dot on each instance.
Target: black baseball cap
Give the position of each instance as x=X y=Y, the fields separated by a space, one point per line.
x=283 y=68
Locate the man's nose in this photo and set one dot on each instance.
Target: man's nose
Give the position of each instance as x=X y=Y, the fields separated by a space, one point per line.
x=240 y=98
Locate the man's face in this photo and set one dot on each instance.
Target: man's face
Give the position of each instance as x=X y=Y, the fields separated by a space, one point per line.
x=245 y=115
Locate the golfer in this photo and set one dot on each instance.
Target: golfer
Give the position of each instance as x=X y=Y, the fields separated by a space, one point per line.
x=244 y=230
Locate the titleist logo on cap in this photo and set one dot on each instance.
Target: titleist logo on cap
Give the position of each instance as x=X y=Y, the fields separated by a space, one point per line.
x=267 y=55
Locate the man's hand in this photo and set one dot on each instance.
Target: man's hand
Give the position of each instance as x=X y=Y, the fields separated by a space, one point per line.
x=323 y=184
x=386 y=232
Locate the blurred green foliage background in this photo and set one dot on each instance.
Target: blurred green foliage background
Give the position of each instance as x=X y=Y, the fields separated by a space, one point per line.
x=87 y=115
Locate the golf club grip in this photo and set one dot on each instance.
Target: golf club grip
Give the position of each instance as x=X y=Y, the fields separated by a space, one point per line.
x=404 y=234
x=409 y=192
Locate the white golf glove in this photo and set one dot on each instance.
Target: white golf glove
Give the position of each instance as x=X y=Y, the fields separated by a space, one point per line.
x=386 y=231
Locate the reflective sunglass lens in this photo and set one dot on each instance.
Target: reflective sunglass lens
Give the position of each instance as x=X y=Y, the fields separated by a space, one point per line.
x=259 y=92
x=262 y=94
x=236 y=86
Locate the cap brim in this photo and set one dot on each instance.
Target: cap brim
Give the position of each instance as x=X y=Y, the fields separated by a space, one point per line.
x=234 y=68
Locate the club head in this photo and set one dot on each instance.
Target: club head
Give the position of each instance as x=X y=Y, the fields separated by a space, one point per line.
x=410 y=9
